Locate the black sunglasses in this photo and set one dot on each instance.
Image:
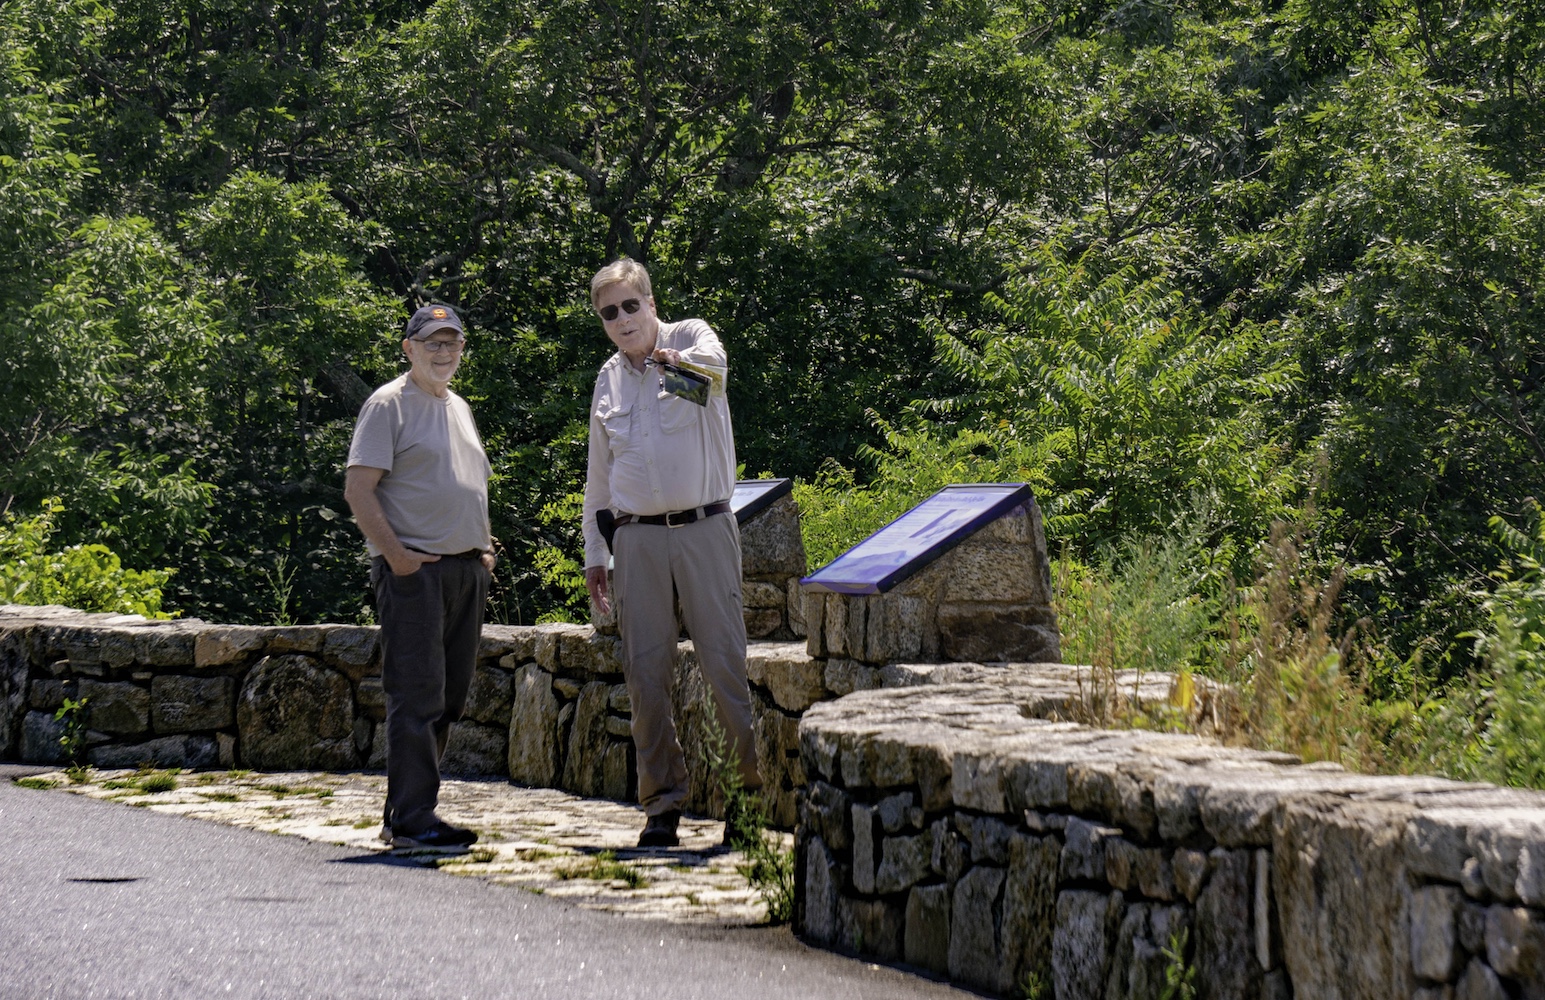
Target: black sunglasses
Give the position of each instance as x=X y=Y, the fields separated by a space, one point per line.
x=629 y=306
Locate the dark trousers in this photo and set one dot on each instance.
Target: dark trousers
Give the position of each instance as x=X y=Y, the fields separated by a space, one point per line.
x=431 y=622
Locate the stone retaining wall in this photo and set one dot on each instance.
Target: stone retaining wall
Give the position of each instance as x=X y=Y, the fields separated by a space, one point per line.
x=948 y=827
x=548 y=704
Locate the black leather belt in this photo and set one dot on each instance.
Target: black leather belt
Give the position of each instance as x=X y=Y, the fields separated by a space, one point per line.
x=469 y=554
x=676 y=518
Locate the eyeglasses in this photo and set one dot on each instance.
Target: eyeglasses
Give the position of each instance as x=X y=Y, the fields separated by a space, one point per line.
x=629 y=306
x=436 y=346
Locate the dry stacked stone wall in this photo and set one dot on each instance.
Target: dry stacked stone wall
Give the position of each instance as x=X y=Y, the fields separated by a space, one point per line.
x=947 y=826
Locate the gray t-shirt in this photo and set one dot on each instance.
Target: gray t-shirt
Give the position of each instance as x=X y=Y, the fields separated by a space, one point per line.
x=435 y=491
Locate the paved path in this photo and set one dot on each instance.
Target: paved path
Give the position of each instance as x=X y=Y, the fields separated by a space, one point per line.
x=101 y=900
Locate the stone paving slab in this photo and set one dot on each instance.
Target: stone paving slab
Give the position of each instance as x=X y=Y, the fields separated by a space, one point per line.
x=536 y=839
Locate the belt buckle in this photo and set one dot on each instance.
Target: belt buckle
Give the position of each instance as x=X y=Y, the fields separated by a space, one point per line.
x=687 y=517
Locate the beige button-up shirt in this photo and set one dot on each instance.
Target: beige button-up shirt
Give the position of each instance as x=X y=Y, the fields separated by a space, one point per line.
x=652 y=452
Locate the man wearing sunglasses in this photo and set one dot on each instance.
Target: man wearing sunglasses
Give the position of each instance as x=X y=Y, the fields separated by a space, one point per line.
x=417 y=482
x=663 y=467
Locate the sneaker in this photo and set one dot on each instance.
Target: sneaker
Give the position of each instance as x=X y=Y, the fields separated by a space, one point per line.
x=385 y=836
x=660 y=831
x=440 y=837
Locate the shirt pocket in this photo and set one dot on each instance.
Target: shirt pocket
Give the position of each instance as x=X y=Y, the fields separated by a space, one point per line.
x=618 y=423
x=677 y=414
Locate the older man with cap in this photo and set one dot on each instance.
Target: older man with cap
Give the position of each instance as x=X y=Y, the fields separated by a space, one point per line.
x=662 y=470
x=417 y=482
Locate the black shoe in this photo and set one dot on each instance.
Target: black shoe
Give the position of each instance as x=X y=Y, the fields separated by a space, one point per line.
x=660 y=831
x=440 y=837
x=740 y=827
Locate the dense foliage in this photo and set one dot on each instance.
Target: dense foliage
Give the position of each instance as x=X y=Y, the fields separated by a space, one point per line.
x=1213 y=266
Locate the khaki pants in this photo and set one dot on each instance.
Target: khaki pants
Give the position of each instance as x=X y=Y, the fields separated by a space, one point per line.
x=700 y=562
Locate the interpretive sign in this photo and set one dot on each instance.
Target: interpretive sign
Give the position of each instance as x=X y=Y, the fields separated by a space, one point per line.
x=917 y=538
x=752 y=496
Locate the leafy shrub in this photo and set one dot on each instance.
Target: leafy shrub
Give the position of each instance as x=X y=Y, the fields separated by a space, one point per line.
x=88 y=577
x=1492 y=726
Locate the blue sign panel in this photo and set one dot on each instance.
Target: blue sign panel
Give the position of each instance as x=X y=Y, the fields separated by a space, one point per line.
x=752 y=496
x=917 y=538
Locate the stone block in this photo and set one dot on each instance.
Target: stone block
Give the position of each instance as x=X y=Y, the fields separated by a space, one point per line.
x=584 y=769
x=1083 y=853
x=353 y=649
x=122 y=709
x=533 y=734
x=1155 y=876
x=1435 y=931
x=510 y=646
x=795 y=597
x=588 y=652
x=1029 y=905
x=871 y=927
x=988 y=570
x=1515 y=944
x=619 y=727
x=1472 y=927
x=370 y=698
x=619 y=700
x=1225 y=945
x=45 y=695
x=180 y=704
x=1138 y=964
x=865 y=848
x=895 y=629
x=1342 y=895
x=294 y=714
x=489 y=699
x=168 y=645
x=1435 y=845
x=827 y=811
x=617 y=773
x=822 y=885
x=846 y=676
x=1471 y=880
x=904 y=862
x=567 y=688
x=40 y=733
x=975 y=632
x=219 y=645
x=298 y=638
x=897 y=812
x=475 y=748
x=1511 y=850
x=987 y=837
x=795 y=681
x=191 y=752
x=951 y=856
x=1479 y=982
x=771 y=543
x=1190 y=872
x=1120 y=859
x=926 y=940
x=762 y=595
x=975 y=955
x=1086 y=927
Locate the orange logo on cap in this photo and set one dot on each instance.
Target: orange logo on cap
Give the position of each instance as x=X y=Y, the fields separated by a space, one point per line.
x=438 y=314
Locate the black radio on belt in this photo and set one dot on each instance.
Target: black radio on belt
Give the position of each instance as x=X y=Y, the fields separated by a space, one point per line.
x=607 y=522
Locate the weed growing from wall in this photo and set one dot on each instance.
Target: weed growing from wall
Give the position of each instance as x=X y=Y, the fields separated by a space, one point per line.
x=768 y=866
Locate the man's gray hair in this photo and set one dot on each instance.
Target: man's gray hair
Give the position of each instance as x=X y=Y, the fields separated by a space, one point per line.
x=623 y=269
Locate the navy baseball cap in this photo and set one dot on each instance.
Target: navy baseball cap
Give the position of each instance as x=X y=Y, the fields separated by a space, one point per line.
x=433 y=317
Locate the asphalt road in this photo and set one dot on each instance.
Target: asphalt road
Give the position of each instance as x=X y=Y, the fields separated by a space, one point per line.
x=102 y=900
